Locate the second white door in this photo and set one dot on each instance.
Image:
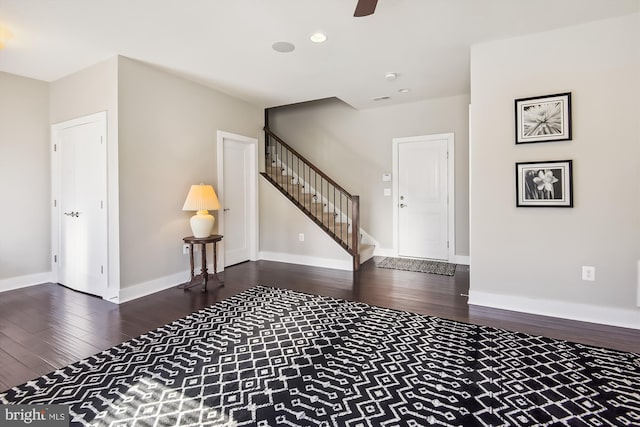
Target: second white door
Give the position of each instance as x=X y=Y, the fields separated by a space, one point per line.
x=238 y=198
x=423 y=198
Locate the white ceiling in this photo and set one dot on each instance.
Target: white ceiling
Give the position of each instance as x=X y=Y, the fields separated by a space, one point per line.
x=226 y=44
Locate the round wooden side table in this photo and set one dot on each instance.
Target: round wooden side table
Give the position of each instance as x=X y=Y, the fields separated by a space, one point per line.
x=204 y=275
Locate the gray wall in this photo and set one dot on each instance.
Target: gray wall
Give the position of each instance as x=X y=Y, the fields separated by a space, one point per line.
x=354 y=147
x=25 y=222
x=167 y=142
x=529 y=259
x=85 y=92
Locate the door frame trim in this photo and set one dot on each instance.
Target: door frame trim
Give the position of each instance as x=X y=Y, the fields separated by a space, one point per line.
x=451 y=220
x=253 y=190
x=56 y=129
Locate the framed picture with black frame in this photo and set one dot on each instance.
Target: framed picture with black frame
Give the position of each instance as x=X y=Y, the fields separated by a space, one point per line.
x=543 y=118
x=545 y=184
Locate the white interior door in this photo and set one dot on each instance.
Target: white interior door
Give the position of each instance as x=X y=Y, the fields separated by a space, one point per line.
x=423 y=198
x=239 y=198
x=81 y=207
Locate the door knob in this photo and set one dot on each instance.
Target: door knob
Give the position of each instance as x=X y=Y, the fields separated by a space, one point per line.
x=227 y=209
x=69 y=214
x=402 y=205
x=72 y=214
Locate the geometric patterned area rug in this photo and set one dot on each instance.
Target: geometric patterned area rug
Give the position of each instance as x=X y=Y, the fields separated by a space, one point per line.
x=418 y=265
x=270 y=357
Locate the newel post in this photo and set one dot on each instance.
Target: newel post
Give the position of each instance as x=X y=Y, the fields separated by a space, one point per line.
x=355 y=231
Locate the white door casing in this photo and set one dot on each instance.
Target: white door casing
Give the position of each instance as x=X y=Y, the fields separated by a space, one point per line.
x=80 y=220
x=237 y=191
x=423 y=197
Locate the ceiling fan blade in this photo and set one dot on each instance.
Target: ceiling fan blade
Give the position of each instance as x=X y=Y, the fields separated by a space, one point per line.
x=365 y=8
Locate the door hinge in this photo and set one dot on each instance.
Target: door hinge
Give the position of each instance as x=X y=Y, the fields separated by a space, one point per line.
x=100 y=140
x=102 y=269
x=447 y=244
x=101 y=204
x=55 y=203
x=55 y=147
x=55 y=258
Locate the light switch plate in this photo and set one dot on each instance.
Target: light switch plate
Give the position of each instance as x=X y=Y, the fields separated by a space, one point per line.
x=387 y=191
x=386 y=177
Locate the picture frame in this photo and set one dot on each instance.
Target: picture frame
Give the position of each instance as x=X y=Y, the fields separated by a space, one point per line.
x=544 y=184
x=544 y=118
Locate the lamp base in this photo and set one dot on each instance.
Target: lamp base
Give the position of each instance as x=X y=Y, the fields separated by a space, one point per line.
x=202 y=224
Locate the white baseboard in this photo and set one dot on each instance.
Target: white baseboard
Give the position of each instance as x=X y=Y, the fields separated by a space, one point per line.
x=336 y=264
x=152 y=286
x=462 y=259
x=625 y=318
x=25 y=281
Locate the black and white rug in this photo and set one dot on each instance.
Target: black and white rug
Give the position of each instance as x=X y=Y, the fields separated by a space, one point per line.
x=418 y=265
x=270 y=357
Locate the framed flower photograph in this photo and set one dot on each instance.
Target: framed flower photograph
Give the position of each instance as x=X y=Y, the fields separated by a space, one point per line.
x=543 y=118
x=544 y=184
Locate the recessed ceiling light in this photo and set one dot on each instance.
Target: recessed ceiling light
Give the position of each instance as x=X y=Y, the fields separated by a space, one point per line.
x=283 y=47
x=390 y=76
x=318 y=38
x=404 y=90
x=381 y=98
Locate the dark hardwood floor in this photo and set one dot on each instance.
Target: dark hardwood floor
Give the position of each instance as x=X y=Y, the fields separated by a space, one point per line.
x=49 y=326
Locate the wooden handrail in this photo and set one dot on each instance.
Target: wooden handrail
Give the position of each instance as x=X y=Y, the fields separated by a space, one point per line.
x=311 y=165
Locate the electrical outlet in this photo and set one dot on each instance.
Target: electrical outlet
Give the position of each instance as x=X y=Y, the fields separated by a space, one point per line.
x=301 y=237
x=185 y=249
x=588 y=273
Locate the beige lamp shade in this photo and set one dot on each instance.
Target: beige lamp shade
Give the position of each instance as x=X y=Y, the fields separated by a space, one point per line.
x=201 y=198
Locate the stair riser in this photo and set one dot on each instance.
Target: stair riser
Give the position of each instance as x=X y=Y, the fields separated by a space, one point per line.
x=282 y=179
x=330 y=220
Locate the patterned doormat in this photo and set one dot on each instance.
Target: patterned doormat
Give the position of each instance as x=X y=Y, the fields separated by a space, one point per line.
x=418 y=265
x=269 y=357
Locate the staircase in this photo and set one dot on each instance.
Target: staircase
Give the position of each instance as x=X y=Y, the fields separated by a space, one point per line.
x=326 y=203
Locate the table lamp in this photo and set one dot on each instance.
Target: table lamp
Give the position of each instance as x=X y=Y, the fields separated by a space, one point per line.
x=201 y=198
